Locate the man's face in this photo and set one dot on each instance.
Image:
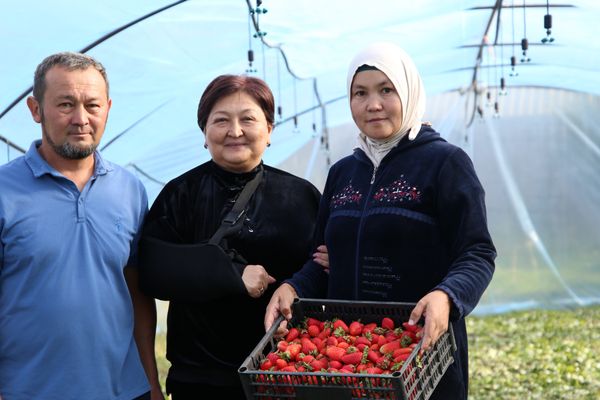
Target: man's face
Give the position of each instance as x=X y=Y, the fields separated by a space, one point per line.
x=73 y=113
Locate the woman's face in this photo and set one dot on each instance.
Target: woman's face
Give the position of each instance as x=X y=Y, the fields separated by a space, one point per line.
x=375 y=104
x=237 y=132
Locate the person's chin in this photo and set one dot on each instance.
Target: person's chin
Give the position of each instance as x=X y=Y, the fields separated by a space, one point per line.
x=81 y=140
x=378 y=135
x=236 y=159
x=236 y=152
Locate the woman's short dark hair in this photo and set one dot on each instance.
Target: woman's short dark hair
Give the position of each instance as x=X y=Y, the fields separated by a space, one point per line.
x=224 y=85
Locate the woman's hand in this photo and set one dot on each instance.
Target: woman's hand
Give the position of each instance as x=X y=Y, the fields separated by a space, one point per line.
x=435 y=307
x=256 y=279
x=321 y=257
x=281 y=303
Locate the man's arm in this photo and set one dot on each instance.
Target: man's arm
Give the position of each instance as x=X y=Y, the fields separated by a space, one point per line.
x=144 y=331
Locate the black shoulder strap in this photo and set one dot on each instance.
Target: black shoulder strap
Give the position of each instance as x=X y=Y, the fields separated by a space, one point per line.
x=238 y=210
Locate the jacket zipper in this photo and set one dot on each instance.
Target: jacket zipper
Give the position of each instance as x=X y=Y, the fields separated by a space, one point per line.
x=373 y=176
x=360 y=226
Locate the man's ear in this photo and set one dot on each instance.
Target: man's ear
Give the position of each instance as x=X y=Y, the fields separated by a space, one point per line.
x=35 y=109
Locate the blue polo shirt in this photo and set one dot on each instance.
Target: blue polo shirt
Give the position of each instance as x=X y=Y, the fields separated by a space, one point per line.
x=66 y=317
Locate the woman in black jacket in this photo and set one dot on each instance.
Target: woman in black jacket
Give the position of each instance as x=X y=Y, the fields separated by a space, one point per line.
x=403 y=217
x=217 y=299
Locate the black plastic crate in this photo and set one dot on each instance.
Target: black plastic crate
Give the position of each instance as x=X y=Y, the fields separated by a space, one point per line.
x=414 y=381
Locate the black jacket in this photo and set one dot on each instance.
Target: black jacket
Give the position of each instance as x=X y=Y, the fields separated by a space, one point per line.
x=213 y=324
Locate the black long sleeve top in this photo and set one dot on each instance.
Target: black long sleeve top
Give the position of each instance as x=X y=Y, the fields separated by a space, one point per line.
x=213 y=324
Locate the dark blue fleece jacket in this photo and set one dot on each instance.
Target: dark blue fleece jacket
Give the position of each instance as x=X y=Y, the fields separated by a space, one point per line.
x=415 y=224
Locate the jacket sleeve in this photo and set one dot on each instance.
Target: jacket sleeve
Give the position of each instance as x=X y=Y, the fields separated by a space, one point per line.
x=170 y=268
x=463 y=220
x=187 y=272
x=311 y=280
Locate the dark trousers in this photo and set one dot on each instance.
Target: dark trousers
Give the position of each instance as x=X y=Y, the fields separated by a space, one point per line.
x=145 y=396
x=200 y=391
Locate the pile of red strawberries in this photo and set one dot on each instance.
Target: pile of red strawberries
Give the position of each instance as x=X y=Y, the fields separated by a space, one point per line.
x=334 y=346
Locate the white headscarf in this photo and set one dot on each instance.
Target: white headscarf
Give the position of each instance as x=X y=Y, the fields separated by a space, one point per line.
x=400 y=69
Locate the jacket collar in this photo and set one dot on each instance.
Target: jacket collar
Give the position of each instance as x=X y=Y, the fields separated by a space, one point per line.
x=234 y=180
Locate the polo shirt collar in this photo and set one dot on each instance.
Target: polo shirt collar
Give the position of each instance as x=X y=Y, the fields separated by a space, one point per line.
x=39 y=166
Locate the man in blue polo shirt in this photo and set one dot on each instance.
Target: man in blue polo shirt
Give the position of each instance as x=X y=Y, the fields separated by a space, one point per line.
x=68 y=233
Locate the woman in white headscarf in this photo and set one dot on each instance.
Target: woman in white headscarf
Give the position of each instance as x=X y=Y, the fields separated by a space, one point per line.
x=403 y=217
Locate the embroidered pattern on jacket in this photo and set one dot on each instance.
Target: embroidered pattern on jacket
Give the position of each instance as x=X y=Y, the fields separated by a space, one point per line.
x=398 y=191
x=347 y=196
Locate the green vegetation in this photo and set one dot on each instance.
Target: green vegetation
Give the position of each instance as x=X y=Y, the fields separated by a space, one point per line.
x=538 y=354
x=535 y=355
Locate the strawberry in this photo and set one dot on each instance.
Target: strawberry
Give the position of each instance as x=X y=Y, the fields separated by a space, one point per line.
x=301 y=368
x=281 y=363
x=402 y=350
x=389 y=347
x=308 y=359
x=408 y=338
x=374 y=370
x=410 y=328
x=312 y=322
x=335 y=353
x=292 y=334
x=363 y=340
x=272 y=357
x=340 y=324
x=387 y=323
x=352 y=356
x=373 y=356
x=384 y=362
x=294 y=349
x=361 y=367
x=266 y=365
x=348 y=368
x=343 y=345
x=335 y=364
x=339 y=332
x=318 y=342
x=308 y=347
x=379 y=330
x=369 y=327
x=355 y=328
x=313 y=330
x=332 y=341
x=325 y=333
x=401 y=357
x=282 y=345
x=318 y=365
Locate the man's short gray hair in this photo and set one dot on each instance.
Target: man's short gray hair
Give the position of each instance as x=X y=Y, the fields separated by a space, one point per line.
x=68 y=60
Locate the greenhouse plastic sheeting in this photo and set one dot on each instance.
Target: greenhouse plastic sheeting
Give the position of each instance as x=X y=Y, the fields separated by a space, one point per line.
x=536 y=155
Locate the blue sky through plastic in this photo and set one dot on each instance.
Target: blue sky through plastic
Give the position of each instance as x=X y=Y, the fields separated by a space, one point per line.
x=159 y=67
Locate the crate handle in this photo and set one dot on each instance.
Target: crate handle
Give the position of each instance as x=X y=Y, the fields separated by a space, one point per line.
x=263 y=343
